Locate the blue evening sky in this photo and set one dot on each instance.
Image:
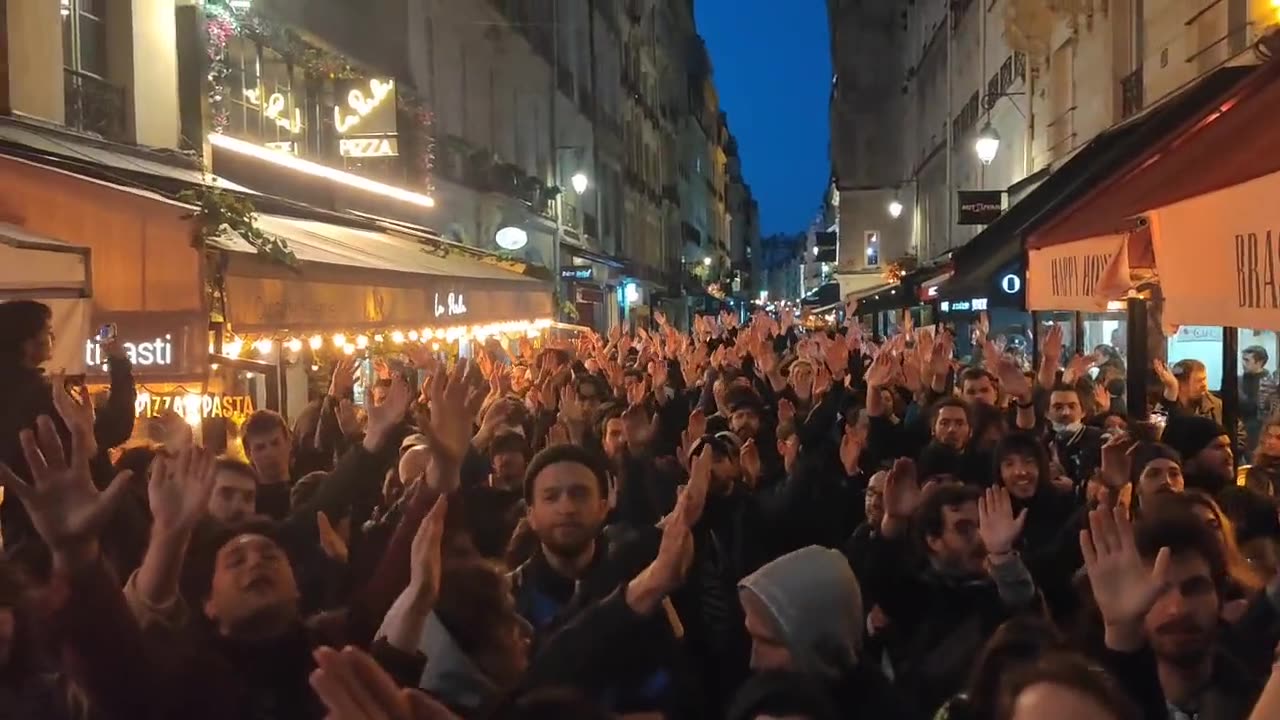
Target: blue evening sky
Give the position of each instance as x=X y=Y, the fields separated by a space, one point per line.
x=773 y=71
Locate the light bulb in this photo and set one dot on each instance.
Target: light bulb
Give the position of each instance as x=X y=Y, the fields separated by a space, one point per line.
x=348 y=349
x=264 y=346
x=895 y=209
x=234 y=348
x=413 y=336
x=377 y=338
x=294 y=345
x=397 y=337
x=339 y=340
x=362 y=341
x=316 y=342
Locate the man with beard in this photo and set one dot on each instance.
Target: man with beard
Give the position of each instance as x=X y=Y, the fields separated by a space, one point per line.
x=1162 y=587
x=567 y=494
x=973 y=579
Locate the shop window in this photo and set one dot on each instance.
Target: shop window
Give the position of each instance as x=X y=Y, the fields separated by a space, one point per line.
x=264 y=104
x=1105 y=336
x=1259 y=397
x=1199 y=342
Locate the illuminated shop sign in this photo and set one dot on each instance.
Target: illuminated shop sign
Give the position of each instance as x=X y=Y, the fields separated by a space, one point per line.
x=973 y=305
x=369 y=107
x=363 y=147
x=194 y=407
x=152 y=353
x=275 y=110
x=453 y=305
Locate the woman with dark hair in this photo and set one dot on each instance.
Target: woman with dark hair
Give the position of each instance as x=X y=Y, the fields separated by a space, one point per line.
x=1014 y=644
x=1065 y=687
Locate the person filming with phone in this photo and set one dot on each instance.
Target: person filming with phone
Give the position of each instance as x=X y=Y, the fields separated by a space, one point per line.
x=26 y=347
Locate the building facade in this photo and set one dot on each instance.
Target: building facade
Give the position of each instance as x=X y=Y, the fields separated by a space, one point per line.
x=917 y=83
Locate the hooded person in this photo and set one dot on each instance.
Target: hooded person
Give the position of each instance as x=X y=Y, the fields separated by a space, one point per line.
x=804 y=615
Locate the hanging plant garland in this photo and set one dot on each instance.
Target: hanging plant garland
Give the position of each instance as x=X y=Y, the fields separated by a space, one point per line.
x=221 y=210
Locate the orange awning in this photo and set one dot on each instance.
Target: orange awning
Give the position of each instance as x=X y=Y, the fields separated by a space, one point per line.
x=1234 y=141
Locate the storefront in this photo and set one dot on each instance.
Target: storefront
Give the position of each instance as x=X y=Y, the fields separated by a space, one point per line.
x=1001 y=295
x=1182 y=240
x=365 y=290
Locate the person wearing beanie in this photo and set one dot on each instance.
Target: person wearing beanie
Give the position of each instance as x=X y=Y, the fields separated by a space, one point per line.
x=1208 y=462
x=804 y=615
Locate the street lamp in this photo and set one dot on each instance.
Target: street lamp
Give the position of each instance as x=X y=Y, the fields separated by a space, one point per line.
x=895 y=209
x=707 y=261
x=579 y=182
x=987 y=144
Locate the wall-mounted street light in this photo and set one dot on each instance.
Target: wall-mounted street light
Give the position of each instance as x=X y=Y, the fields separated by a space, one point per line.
x=579 y=182
x=706 y=261
x=987 y=144
x=895 y=209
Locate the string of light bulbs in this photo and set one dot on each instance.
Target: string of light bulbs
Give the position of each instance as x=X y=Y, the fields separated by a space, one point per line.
x=349 y=343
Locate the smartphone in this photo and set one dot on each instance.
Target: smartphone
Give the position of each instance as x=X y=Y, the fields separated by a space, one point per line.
x=106 y=334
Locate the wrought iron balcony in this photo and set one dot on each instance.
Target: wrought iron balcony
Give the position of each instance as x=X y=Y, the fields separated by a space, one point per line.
x=1131 y=93
x=94 y=105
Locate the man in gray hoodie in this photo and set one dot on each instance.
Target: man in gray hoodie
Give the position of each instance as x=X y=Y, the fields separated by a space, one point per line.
x=804 y=615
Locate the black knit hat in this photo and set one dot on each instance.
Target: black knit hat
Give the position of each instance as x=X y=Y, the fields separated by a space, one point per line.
x=1189 y=434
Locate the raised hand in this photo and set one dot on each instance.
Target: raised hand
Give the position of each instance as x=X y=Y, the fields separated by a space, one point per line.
x=852 y=444
x=1167 y=379
x=426 y=557
x=749 y=459
x=786 y=411
x=1077 y=367
x=384 y=418
x=333 y=540
x=353 y=686
x=1124 y=588
x=1117 y=460
x=880 y=373
x=1013 y=381
x=344 y=378
x=902 y=491
x=64 y=506
x=997 y=525
x=1052 y=346
x=944 y=350
x=454 y=406
x=697 y=424
x=179 y=488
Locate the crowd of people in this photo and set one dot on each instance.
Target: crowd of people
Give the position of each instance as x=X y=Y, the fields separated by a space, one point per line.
x=740 y=521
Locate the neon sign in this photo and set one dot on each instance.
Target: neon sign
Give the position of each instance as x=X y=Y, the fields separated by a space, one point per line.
x=158 y=352
x=274 y=110
x=362 y=104
x=368 y=147
x=454 y=305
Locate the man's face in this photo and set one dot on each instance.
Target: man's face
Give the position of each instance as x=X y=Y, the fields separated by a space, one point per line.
x=590 y=397
x=615 y=438
x=1020 y=474
x=1217 y=458
x=508 y=469
x=253 y=585
x=1160 y=476
x=568 y=508
x=234 y=497
x=1269 y=443
x=1196 y=385
x=980 y=390
x=269 y=455
x=1182 y=625
x=873 y=503
x=745 y=423
x=1065 y=408
x=951 y=427
x=8 y=629
x=769 y=650
x=1252 y=363
x=960 y=546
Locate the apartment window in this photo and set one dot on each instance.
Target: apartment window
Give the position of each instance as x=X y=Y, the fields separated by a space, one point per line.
x=84 y=36
x=264 y=102
x=873 y=247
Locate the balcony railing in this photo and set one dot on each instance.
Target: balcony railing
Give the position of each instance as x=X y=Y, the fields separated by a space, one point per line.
x=1131 y=95
x=94 y=105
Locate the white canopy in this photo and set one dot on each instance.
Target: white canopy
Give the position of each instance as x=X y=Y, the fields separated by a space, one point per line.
x=58 y=275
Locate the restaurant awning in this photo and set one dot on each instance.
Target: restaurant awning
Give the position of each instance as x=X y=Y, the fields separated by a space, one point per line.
x=356 y=278
x=56 y=274
x=999 y=245
x=1208 y=192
